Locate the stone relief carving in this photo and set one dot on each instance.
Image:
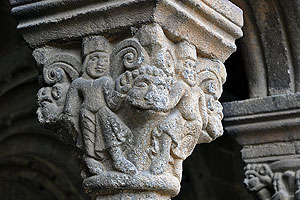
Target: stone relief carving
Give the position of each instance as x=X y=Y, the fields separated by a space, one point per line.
x=135 y=109
x=270 y=182
x=58 y=72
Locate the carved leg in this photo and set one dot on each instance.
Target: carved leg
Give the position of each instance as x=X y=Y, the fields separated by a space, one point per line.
x=88 y=132
x=281 y=193
x=120 y=163
x=178 y=168
x=88 y=129
x=159 y=164
x=115 y=133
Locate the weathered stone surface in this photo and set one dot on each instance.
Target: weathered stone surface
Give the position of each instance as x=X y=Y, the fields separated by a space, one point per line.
x=279 y=180
x=136 y=109
x=219 y=23
x=128 y=87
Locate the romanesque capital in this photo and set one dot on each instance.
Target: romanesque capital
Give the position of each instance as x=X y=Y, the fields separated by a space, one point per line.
x=132 y=85
x=274 y=181
x=268 y=131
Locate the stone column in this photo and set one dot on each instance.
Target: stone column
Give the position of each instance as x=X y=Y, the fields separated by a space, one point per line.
x=132 y=85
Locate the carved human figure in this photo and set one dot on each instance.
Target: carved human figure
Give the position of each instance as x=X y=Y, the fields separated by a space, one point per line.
x=212 y=75
x=93 y=95
x=187 y=110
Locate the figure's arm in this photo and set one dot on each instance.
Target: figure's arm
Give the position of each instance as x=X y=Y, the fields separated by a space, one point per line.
x=113 y=97
x=72 y=105
x=177 y=91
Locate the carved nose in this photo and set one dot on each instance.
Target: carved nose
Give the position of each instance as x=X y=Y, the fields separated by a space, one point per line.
x=150 y=93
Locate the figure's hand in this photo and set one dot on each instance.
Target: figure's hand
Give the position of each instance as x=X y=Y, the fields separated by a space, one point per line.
x=124 y=82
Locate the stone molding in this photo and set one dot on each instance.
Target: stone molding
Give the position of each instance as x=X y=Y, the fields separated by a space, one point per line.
x=268 y=131
x=218 y=22
x=132 y=85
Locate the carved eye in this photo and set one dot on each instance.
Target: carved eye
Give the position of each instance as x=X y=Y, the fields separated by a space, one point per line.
x=141 y=84
x=262 y=171
x=250 y=176
x=94 y=58
x=55 y=74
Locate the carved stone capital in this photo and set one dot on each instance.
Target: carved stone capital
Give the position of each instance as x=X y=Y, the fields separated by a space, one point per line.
x=268 y=131
x=274 y=181
x=133 y=85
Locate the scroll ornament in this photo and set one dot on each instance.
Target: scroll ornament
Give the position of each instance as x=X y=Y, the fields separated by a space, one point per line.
x=135 y=109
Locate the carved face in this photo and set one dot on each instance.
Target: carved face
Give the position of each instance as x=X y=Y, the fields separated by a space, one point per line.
x=51 y=102
x=97 y=64
x=257 y=176
x=166 y=62
x=149 y=92
x=188 y=72
x=210 y=84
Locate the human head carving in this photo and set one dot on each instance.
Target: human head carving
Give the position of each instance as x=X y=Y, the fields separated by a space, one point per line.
x=96 y=50
x=186 y=66
x=211 y=76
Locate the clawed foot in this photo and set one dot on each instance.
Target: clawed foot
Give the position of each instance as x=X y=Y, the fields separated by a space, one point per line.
x=125 y=166
x=158 y=166
x=95 y=167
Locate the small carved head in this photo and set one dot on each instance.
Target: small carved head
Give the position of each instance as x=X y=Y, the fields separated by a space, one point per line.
x=166 y=62
x=97 y=56
x=51 y=103
x=257 y=177
x=186 y=67
x=150 y=89
x=97 y=64
x=211 y=77
x=58 y=72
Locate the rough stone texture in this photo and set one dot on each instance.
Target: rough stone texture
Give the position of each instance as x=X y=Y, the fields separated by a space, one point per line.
x=128 y=87
x=128 y=106
x=202 y=176
x=219 y=22
x=267 y=127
